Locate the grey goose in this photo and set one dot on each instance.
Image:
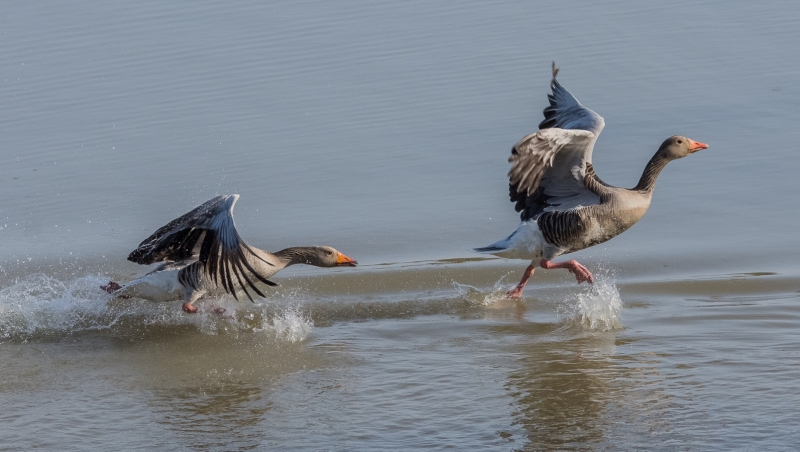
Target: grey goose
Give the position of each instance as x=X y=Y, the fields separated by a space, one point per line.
x=201 y=253
x=563 y=205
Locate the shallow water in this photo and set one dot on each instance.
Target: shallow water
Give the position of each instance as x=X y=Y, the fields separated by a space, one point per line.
x=383 y=130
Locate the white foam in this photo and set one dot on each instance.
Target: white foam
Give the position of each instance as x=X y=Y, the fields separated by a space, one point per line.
x=291 y=324
x=39 y=304
x=479 y=298
x=598 y=307
x=42 y=306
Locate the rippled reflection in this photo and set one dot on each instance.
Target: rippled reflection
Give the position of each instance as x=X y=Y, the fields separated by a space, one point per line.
x=214 y=392
x=573 y=392
x=222 y=415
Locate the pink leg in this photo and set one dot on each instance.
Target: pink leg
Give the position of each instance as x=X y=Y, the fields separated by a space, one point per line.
x=581 y=273
x=516 y=292
x=189 y=297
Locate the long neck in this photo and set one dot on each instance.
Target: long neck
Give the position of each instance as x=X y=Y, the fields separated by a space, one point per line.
x=264 y=262
x=294 y=255
x=648 y=180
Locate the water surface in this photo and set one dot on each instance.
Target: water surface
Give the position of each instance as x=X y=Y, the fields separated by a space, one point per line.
x=383 y=130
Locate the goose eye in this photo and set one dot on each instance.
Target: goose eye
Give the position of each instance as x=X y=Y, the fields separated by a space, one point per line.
x=680 y=141
x=329 y=253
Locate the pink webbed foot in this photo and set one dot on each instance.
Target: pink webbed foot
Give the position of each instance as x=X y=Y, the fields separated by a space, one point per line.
x=111 y=287
x=188 y=308
x=516 y=292
x=581 y=273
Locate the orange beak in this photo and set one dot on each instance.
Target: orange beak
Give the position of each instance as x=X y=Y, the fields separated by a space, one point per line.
x=695 y=146
x=344 y=261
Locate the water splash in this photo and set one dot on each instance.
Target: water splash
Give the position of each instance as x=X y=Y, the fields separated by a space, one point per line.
x=39 y=303
x=292 y=325
x=478 y=297
x=598 y=307
x=42 y=307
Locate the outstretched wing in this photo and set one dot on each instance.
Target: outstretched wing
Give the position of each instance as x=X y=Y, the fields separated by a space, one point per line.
x=565 y=112
x=208 y=234
x=535 y=155
x=549 y=166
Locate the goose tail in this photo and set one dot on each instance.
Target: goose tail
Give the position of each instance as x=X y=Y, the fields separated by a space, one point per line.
x=526 y=242
x=499 y=246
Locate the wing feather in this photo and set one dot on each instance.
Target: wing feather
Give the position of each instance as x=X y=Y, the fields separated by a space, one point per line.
x=207 y=234
x=565 y=112
x=534 y=155
x=548 y=167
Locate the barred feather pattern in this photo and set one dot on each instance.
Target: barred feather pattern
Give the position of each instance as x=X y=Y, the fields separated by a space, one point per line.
x=190 y=276
x=207 y=234
x=221 y=264
x=563 y=229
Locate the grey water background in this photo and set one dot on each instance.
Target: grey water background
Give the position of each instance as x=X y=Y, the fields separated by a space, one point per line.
x=383 y=130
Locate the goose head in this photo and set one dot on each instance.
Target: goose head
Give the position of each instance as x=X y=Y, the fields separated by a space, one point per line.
x=326 y=256
x=676 y=147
